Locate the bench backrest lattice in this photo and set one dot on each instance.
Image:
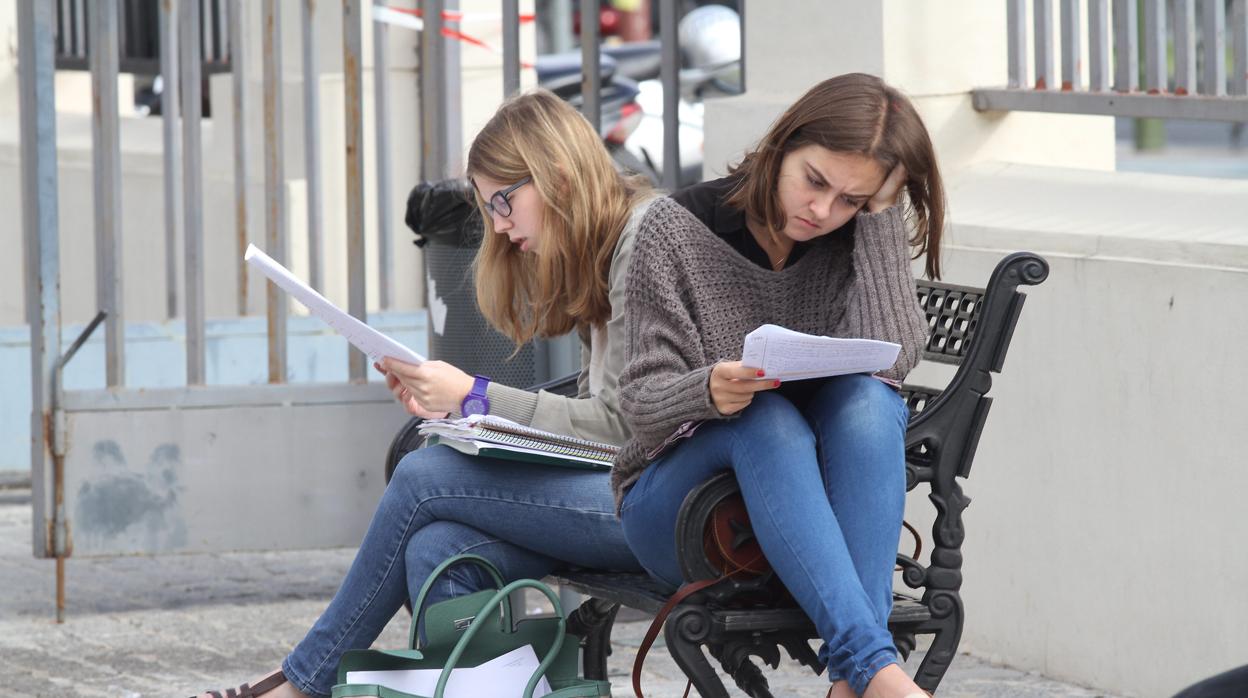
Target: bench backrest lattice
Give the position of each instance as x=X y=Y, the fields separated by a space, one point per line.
x=970 y=328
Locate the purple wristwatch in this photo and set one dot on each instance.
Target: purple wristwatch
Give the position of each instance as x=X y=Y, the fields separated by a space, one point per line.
x=475 y=402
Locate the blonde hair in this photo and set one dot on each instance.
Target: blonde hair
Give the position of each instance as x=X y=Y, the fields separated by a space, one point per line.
x=586 y=203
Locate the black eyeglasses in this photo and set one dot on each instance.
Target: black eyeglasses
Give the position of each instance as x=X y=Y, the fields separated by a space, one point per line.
x=500 y=202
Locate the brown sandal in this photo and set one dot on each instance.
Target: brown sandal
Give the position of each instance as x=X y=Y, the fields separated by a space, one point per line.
x=265 y=685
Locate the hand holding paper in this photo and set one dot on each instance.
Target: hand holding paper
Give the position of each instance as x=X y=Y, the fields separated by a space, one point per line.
x=374 y=344
x=788 y=355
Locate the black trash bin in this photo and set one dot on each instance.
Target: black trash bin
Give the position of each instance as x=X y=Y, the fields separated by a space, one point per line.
x=448 y=227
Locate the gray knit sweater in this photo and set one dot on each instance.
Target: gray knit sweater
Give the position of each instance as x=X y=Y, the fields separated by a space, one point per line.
x=691 y=299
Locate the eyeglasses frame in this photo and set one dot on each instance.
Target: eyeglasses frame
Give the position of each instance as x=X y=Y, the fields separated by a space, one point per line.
x=505 y=194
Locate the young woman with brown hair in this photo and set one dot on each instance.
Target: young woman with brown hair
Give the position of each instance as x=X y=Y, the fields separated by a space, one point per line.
x=808 y=232
x=559 y=229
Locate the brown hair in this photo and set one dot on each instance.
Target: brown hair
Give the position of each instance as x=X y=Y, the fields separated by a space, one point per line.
x=586 y=203
x=853 y=113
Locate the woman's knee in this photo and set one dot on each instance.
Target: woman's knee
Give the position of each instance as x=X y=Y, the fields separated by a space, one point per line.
x=420 y=472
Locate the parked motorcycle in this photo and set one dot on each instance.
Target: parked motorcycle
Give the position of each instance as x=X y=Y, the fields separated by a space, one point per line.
x=710 y=41
x=621 y=114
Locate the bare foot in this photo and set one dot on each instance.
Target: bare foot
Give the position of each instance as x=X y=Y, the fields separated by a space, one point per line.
x=841 y=689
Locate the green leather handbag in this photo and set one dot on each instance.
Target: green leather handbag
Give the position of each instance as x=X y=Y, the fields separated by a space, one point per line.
x=470 y=630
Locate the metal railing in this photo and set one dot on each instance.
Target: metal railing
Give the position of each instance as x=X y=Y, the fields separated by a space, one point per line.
x=181 y=32
x=139 y=35
x=1182 y=46
x=97 y=27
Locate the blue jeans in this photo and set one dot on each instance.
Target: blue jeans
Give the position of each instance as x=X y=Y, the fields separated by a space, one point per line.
x=529 y=520
x=822 y=472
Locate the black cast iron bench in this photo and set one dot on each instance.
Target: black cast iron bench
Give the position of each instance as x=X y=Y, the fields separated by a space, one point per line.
x=970 y=328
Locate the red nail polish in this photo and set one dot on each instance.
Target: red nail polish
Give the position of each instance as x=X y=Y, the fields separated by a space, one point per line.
x=760 y=373
x=777 y=383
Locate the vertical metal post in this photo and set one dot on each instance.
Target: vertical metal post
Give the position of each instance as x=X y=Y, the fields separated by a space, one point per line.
x=353 y=78
x=1184 y=46
x=222 y=18
x=36 y=27
x=1098 y=45
x=80 y=37
x=1126 y=55
x=193 y=189
x=312 y=146
x=238 y=70
x=560 y=26
x=207 y=32
x=669 y=75
x=1239 y=46
x=1213 y=19
x=1155 y=46
x=511 y=47
x=1016 y=41
x=274 y=185
x=172 y=150
x=591 y=77
x=1045 y=73
x=433 y=92
x=1072 y=46
x=106 y=177
x=381 y=114
x=453 y=123
x=742 y=62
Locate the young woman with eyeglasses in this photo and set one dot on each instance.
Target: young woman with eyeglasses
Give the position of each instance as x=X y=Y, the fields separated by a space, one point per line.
x=559 y=228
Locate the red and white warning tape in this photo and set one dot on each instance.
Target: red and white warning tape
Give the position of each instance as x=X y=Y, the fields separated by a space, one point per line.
x=412 y=19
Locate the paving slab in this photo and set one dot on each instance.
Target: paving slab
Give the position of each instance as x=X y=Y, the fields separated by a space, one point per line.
x=177 y=624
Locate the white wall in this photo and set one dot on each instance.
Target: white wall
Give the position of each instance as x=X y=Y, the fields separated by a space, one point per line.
x=1103 y=542
x=1103 y=545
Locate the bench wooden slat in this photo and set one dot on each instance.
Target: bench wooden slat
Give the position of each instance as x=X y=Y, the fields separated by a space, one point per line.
x=634 y=590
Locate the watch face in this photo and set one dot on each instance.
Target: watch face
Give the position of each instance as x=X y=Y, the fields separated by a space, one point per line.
x=474 y=405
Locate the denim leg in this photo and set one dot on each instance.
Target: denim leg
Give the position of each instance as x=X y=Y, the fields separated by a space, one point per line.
x=860 y=433
x=860 y=430
x=562 y=513
x=771 y=448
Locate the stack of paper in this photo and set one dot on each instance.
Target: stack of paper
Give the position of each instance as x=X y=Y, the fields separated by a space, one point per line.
x=501 y=677
x=789 y=355
x=490 y=435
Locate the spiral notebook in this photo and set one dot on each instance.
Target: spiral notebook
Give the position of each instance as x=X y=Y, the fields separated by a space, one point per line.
x=489 y=435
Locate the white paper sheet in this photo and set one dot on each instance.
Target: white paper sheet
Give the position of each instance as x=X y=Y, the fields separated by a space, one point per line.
x=374 y=344
x=501 y=677
x=788 y=355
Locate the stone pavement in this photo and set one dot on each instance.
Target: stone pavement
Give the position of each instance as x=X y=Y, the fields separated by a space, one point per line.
x=174 y=625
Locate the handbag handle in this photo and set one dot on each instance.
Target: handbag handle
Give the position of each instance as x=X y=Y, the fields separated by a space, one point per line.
x=498 y=598
x=418 y=604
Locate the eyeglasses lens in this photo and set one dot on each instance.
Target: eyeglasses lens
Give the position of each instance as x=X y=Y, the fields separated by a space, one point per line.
x=501 y=204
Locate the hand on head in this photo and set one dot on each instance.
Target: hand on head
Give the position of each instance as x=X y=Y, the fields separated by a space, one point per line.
x=889 y=190
x=429 y=390
x=733 y=386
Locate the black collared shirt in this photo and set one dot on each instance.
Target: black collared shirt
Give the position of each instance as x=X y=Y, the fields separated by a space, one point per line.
x=707 y=202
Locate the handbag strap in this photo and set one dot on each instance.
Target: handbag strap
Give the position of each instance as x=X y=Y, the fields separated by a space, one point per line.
x=418 y=604
x=652 y=633
x=501 y=598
